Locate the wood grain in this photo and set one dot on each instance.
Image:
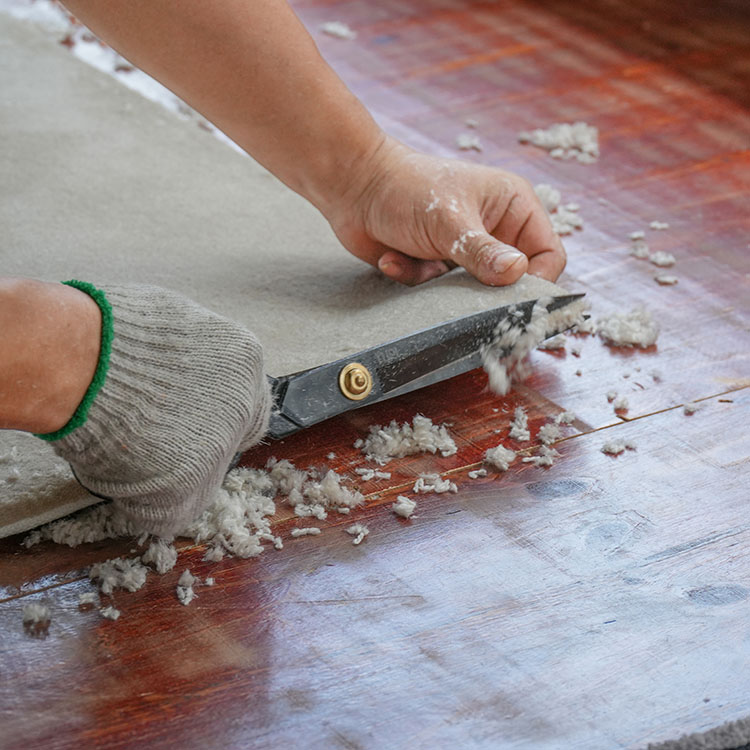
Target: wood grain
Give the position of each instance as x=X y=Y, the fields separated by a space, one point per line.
x=602 y=603
x=594 y=586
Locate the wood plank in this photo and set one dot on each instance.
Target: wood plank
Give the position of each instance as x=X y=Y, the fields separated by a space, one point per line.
x=673 y=149
x=599 y=586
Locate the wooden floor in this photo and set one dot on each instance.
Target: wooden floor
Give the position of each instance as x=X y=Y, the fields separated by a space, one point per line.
x=602 y=603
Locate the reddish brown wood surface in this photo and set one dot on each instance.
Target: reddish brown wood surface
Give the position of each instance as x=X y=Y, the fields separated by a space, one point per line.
x=602 y=603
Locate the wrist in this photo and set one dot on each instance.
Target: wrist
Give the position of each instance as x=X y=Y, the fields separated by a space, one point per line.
x=340 y=170
x=346 y=202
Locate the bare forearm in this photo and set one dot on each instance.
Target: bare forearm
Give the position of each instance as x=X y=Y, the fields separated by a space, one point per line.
x=49 y=350
x=251 y=68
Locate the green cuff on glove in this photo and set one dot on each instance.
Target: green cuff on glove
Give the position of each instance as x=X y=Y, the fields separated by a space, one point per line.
x=81 y=413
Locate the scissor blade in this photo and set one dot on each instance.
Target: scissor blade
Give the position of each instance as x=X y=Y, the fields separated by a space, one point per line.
x=397 y=367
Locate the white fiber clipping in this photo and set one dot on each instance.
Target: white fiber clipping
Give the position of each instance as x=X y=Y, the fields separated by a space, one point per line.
x=615 y=447
x=500 y=457
x=555 y=342
x=119 y=573
x=467 y=141
x=620 y=404
x=477 y=473
x=565 y=417
x=110 y=613
x=185 y=592
x=368 y=474
x=635 y=328
x=548 y=433
x=403 y=506
x=161 y=554
x=397 y=441
x=305 y=531
x=585 y=326
x=35 y=613
x=514 y=338
x=564 y=218
x=638 y=247
x=434 y=483
x=359 y=531
x=237 y=522
x=566 y=141
x=519 y=427
x=664 y=279
x=662 y=259
x=545 y=457
x=338 y=29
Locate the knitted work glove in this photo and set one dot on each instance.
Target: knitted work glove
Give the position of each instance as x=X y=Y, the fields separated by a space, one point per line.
x=177 y=393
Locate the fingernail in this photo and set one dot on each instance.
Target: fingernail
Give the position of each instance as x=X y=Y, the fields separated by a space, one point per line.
x=390 y=268
x=503 y=259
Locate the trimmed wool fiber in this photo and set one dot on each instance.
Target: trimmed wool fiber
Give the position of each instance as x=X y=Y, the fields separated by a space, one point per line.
x=161 y=554
x=563 y=140
x=565 y=417
x=556 y=342
x=403 y=506
x=545 y=457
x=305 y=531
x=467 y=141
x=396 y=441
x=500 y=457
x=620 y=404
x=564 y=218
x=585 y=326
x=634 y=328
x=338 y=29
x=549 y=433
x=513 y=339
x=119 y=573
x=665 y=280
x=434 y=483
x=639 y=249
x=519 y=427
x=662 y=259
x=110 y=613
x=184 y=590
x=359 y=531
x=35 y=613
x=615 y=447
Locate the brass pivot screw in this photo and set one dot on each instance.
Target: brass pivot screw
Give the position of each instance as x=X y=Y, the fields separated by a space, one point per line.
x=355 y=381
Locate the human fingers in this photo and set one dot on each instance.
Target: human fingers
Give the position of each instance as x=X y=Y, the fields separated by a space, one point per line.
x=491 y=261
x=410 y=271
x=527 y=226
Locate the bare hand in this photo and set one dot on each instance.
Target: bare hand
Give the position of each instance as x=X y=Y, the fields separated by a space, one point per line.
x=418 y=216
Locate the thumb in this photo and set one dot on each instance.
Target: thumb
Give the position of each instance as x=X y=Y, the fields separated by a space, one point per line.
x=492 y=262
